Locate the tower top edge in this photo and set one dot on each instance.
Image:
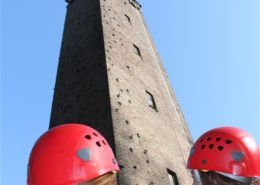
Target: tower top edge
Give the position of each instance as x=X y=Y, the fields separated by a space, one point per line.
x=68 y=1
x=135 y=3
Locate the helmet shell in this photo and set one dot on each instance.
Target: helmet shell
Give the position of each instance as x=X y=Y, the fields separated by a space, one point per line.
x=70 y=154
x=227 y=150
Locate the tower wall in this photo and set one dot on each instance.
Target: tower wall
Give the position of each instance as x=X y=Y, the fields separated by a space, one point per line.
x=148 y=142
x=81 y=92
x=108 y=66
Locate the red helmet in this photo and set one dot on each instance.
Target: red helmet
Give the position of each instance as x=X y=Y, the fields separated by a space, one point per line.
x=68 y=155
x=227 y=150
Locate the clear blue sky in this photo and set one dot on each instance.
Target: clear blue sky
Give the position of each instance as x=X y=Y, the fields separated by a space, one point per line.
x=211 y=51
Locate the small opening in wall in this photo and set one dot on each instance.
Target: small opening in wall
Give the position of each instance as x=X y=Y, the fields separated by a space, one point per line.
x=151 y=101
x=128 y=19
x=136 y=4
x=172 y=177
x=137 y=50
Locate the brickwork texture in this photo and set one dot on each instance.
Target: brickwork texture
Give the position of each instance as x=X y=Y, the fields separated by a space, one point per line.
x=109 y=71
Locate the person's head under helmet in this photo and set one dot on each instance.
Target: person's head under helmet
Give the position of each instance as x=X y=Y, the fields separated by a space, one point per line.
x=72 y=154
x=226 y=155
x=107 y=179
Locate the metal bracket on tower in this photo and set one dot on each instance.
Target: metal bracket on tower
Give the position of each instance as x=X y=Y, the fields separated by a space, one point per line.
x=136 y=4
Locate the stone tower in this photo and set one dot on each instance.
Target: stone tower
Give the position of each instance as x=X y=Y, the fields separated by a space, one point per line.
x=111 y=77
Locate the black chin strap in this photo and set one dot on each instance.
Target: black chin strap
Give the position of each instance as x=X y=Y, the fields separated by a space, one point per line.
x=245 y=180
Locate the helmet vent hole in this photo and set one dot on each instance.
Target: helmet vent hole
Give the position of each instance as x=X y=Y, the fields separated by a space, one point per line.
x=228 y=141
x=95 y=134
x=209 y=138
x=201 y=140
x=220 y=148
x=218 y=139
x=88 y=137
x=104 y=142
x=211 y=146
x=203 y=146
x=98 y=144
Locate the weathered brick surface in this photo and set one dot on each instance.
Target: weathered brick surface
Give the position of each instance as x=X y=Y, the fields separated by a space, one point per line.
x=101 y=81
x=81 y=92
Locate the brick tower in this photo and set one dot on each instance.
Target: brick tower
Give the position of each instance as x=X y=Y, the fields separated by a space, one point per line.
x=111 y=77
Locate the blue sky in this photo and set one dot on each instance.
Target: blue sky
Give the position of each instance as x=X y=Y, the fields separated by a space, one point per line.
x=210 y=50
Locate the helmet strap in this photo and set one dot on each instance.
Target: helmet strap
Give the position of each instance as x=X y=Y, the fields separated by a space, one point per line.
x=197 y=177
x=245 y=180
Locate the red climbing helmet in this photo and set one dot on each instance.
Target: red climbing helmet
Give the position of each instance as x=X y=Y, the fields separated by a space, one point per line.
x=70 y=154
x=227 y=150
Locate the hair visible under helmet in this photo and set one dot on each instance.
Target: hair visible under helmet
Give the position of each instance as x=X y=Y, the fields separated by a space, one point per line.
x=107 y=179
x=70 y=154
